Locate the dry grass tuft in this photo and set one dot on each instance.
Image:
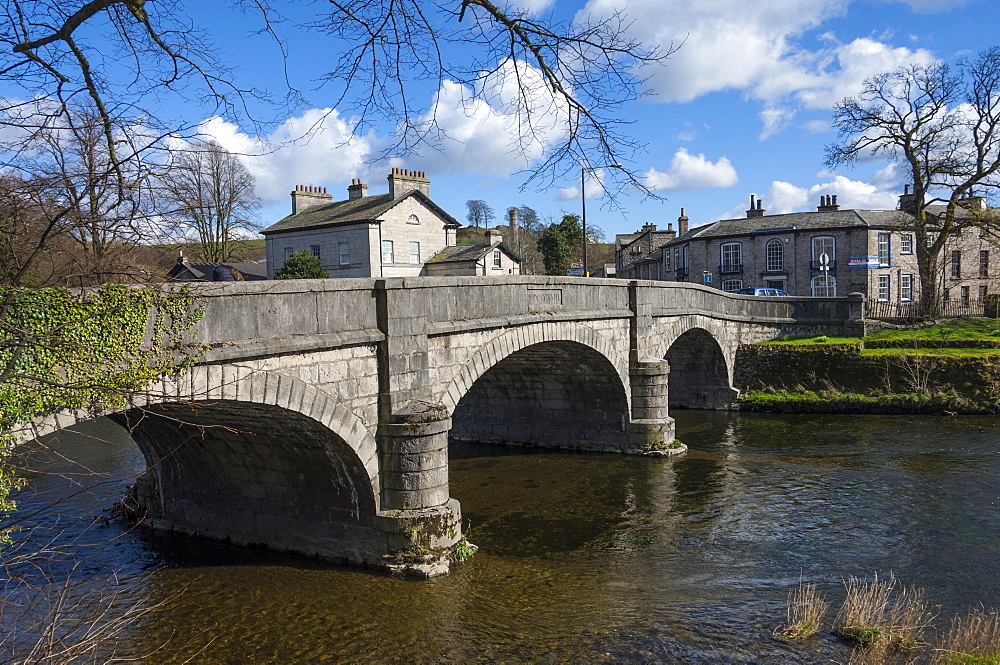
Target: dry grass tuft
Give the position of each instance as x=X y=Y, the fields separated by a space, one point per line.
x=972 y=640
x=882 y=618
x=806 y=609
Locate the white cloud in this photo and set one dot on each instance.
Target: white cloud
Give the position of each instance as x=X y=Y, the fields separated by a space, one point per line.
x=533 y=7
x=317 y=147
x=774 y=119
x=511 y=124
x=463 y=134
x=932 y=6
x=818 y=126
x=689 y=172
x=757 y=48
x=882 y=193
x=594 y=187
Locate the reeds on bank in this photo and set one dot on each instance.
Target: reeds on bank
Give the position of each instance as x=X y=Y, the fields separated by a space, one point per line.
x=886 y=622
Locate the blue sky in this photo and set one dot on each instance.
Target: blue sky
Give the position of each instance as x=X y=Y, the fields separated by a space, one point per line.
x=743 y=107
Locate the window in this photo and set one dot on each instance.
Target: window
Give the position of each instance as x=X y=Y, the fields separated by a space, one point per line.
x=883 y=287
x=497 y=259
x=823 y=245
x=775 y=253
x=314 y=251
x=965 y=296
x=906 y=243
x=414 y=252
x=775 y=284
x=956 y=264
x=731 y=257
x=982 y=292
x=824 y=286
x=345 y=253
x=387 y=256
x=412 y=219
x=946 y=295
x=684 y=256
x=906 y=287
x=884 y=250
x=666 y=260
x=677 y=258
x=732 y=285
x=984 y=264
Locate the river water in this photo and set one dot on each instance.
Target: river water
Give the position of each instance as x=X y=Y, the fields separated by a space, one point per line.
x=584 y=558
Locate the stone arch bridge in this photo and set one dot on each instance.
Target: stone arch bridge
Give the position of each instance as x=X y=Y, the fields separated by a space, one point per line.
x=318 y=421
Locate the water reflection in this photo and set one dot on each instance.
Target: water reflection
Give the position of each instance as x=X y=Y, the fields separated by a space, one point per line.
x=585 y=558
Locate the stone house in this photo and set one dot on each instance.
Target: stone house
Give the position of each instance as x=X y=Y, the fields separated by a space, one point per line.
x=384 y=235
x=634 y=247
x=492 y=258
x=826 y=252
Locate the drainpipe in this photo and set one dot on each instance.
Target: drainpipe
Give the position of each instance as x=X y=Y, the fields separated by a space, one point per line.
x=380 y=267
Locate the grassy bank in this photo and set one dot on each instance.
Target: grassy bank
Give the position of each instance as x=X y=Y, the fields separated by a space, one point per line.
x=952 y=367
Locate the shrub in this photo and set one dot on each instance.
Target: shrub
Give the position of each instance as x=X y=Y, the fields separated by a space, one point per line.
x=301 y=265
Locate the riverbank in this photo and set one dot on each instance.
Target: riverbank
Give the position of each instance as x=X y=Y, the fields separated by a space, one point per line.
x=950 y=368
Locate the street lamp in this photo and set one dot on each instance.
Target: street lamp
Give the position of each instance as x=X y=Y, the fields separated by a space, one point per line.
x=583 y=195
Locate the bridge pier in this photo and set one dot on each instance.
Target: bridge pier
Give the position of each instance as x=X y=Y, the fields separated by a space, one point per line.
x=651 y=429
x=420 y=520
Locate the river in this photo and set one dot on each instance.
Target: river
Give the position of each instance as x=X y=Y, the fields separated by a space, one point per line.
x=584 y=558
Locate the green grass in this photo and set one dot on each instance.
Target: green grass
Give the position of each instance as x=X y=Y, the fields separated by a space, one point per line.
x=973 y=659
x=837 y=401
x=970 y=328
x=953 y=353
x=822 y=339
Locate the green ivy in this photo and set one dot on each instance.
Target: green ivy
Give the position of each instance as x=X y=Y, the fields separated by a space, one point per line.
x=85 y=350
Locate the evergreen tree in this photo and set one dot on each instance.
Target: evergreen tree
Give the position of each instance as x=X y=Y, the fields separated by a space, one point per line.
x=301 y=265
x=558 y=242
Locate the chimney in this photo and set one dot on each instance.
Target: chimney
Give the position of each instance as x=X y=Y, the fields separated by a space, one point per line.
x=827 y=203
x=908 y=201
x=493 y=237
x=357 y=190
x=307 y=196
x=648 y=228
x=682 y=223
x=402 y=181
x=756 y=207
x=514 y=231
x=973 y=202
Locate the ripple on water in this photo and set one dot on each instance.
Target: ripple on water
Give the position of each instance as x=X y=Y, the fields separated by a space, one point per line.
x=585 y=558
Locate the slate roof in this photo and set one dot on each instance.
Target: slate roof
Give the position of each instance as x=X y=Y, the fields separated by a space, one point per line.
x=216 y=272
x=459 y=253
x=352 y=211
x=813 y=220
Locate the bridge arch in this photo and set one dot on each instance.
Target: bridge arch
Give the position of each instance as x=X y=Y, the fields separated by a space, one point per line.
x=516 y=339
x=700 y=368
x=254 y=457
x=552 y=392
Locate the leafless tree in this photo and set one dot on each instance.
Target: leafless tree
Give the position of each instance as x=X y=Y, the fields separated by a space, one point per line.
x=480 y=213
x=560 y=84
x=941 y=124
x=210 y=191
